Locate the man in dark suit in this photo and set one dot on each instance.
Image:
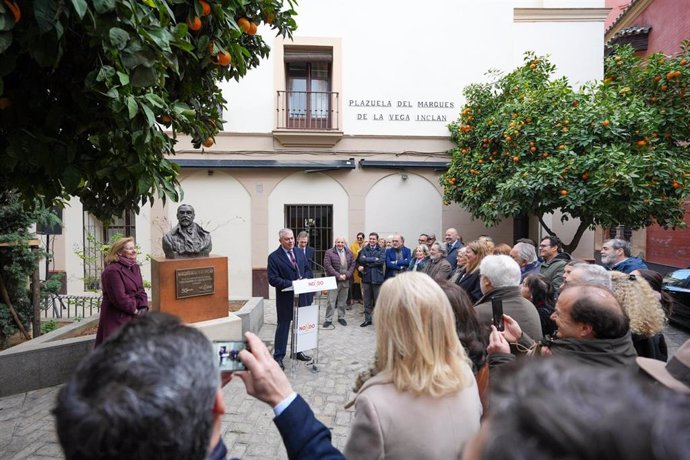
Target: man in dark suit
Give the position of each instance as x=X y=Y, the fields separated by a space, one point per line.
x=309 y=253
x=285 y=265
x=176 y=383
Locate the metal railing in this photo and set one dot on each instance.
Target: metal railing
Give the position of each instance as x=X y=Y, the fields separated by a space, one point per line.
x=308 y=110
x=71 y=306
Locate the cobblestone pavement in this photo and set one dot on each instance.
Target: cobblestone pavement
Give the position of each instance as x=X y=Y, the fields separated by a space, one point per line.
x=27 y=427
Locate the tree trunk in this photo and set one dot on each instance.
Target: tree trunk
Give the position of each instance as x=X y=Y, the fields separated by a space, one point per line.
x=6 y=299
x=570 y=247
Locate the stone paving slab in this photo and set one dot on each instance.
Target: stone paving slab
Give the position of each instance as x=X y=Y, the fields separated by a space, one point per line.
x=27 y=428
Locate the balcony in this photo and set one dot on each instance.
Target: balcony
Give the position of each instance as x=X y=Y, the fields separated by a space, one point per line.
x=307 y=119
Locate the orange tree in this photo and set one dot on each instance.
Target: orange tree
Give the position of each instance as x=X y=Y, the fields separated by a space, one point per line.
x=88 y=90
x=610 y=153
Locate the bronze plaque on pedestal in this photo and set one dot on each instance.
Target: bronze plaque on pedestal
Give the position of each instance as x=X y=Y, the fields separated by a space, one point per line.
x=199 y=304
x=192 y=282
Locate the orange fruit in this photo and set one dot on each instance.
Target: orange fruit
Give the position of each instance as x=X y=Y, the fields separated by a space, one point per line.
x=657 y=77
x=208 y=142
x=516 y=159
x=664 y=87
x=194 y=23
x=205 y=8
x=564 y=192
x=585 y=176
x=561 y=147
x=244 y=24
x=676 y=184
x=269 y=17
x=605 y=123
x=224 y=58
x=545 y=154
x=166 y=119
x=252 y=28
x=642 y=143
x=532 y=149
x=533 y=66
x=671 y=75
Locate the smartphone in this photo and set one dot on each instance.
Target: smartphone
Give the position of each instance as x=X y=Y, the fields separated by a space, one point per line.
x=497 y=313
x=227 y=353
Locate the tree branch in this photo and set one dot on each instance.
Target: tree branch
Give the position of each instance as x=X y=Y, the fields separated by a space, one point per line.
x=546 y=227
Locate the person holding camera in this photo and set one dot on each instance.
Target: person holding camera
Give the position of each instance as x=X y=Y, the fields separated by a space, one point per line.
x=168 y=402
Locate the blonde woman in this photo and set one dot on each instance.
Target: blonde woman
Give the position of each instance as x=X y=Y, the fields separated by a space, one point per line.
x=423 y=401
x=647 y=317
x=469 y=280
x=124 y=296
x=420 y=259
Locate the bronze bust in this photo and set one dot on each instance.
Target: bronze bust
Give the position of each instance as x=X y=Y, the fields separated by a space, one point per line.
x=187 y=239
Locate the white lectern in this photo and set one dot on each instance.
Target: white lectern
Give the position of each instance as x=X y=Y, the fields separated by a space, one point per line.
x=305 y=320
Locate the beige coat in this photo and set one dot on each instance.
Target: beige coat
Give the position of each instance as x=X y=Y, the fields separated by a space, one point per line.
x=393 y=424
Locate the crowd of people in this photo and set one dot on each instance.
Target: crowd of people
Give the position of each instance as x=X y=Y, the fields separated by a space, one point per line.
x=577 y=366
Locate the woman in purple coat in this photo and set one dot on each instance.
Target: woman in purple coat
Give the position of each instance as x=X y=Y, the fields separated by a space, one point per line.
x=123 y=289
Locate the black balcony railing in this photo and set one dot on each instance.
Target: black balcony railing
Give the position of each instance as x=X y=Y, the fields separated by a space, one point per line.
x=308 y=110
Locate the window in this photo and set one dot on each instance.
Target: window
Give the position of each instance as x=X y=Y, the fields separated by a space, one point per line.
x=317 y=220
x=97 y=234
x=308 y=81
x=308 y=95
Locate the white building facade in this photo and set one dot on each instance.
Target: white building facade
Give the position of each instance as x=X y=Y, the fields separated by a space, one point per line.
x=343 y=129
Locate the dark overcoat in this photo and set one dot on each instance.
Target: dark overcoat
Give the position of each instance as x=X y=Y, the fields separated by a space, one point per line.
x=123 y=295
x=281 y=274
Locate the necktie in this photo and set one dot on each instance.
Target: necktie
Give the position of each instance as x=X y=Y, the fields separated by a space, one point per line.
x=292 y=259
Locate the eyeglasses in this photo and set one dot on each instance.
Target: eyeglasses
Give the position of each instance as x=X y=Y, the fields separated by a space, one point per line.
x=544 y=245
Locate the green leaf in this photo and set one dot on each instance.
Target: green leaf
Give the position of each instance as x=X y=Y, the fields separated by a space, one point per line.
x=103 y=6
x=71 y=177
x=131 y=107
x=155 y=100
x=143 y=77
x=5 y=41
x=45 y=12
x=124 y=78
x=150 y=117
x=80 y=7
x=118 y=37
x=160 y=37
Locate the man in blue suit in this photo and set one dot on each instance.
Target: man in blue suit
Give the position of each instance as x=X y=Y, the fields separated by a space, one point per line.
x=397 y=257
x=310 y=254
x=285 y=265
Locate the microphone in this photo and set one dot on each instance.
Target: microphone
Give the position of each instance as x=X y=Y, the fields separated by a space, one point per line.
x=318 y=265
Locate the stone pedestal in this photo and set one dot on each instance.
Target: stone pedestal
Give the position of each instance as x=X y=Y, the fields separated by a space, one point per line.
x=182 y=287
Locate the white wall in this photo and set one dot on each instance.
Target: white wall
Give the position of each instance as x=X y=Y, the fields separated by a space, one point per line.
x=408 y=207
x=407 y=52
